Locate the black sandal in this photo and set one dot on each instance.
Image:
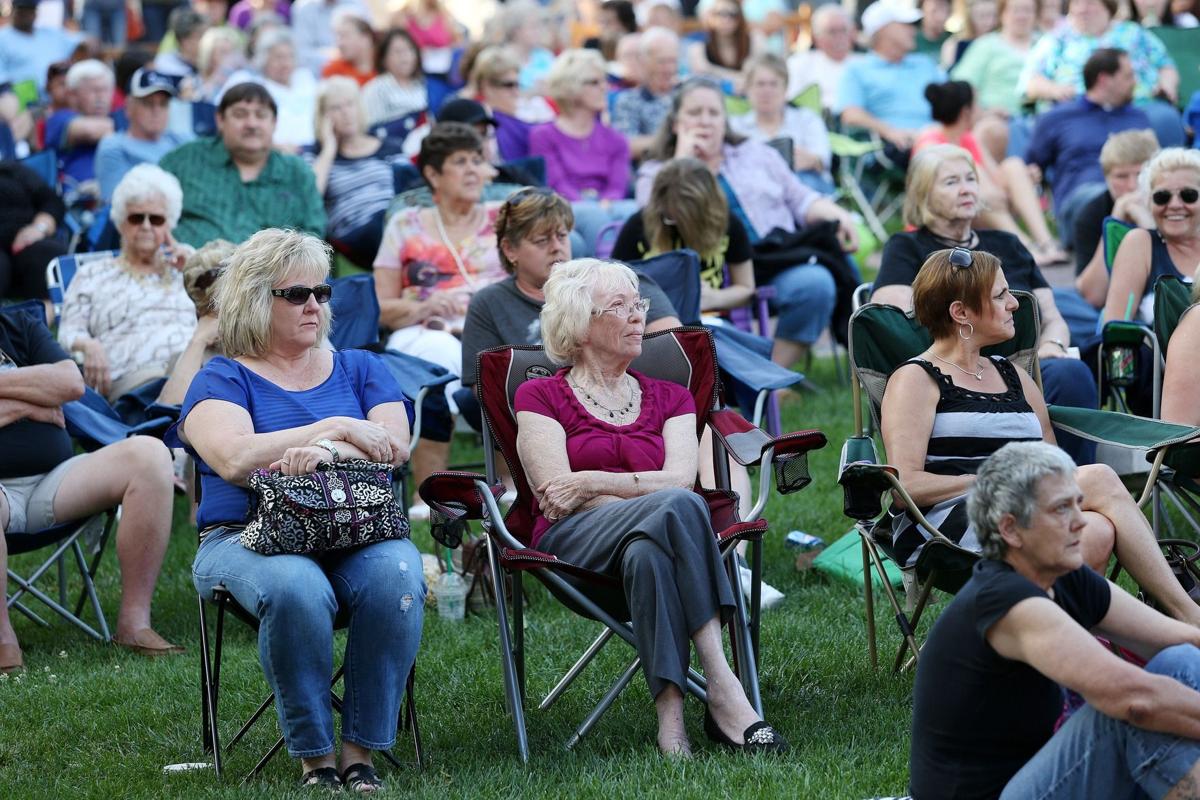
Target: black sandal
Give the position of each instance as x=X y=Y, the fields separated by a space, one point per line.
x=322 y=778
x=758 y=738
x=361 y=778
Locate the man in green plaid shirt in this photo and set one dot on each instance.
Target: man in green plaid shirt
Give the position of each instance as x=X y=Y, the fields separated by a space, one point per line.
x=234 y=184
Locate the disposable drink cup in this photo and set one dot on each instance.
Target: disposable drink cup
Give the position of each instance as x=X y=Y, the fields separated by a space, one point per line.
x=451 y=593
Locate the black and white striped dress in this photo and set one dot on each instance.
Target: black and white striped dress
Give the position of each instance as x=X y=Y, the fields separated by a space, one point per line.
x=967 y=428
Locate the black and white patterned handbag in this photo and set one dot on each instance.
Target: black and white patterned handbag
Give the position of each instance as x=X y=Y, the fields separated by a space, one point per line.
x=342 y=504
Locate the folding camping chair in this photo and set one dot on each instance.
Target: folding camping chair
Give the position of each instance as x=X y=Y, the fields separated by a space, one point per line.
x=685 y=355
x=61 y=270
x=883 y=337
x=210 y=684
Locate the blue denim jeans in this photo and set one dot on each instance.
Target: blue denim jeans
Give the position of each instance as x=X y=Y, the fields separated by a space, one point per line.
x=1093 y=755
x=804 y=299
x=377 y=590
x=1069 y=382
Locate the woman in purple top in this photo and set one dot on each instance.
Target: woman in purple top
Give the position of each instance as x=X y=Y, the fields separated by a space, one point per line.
x=244 y=13
x=587 y=162
x=765 y=195
x=611 y=456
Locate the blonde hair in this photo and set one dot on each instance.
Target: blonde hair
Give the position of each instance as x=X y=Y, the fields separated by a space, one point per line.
x=686 y=209
x=922 y=171
x=335 y=87
x=243 y=296
x=1126 y=148
x=208 y=45
x=564 y=81
x=570 y=302
x=1169 y=159
x=492 y=62
x=212 y=256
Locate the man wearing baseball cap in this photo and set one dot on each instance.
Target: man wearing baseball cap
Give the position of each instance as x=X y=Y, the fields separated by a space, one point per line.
x=147 y=138
x=884 y=91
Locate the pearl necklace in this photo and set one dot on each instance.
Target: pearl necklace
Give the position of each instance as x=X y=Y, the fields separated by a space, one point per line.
x=613 y=413
x=976 y=375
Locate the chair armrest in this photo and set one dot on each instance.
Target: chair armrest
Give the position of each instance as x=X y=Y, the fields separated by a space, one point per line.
x=454 y=498
x=765 y=292
x=747 y=443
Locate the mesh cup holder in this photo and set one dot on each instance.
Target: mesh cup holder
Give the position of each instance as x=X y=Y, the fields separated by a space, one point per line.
x=445 y=530
x=791 y=472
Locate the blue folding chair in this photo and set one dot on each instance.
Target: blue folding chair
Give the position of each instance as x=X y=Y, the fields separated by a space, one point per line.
x=744 y=358
x=61 y=271
x=45 y=164
x=399 y=127
x=71 y=536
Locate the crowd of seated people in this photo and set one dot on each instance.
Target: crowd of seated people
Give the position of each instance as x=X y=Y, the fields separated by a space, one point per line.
x=461 y=161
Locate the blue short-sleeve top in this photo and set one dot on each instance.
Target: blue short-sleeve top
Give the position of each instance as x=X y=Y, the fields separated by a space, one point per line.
x=358 y=383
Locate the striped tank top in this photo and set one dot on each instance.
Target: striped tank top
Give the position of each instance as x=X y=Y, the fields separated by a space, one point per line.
x=969 y=426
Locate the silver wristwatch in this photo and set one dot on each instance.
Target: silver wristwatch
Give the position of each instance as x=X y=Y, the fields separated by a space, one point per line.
x=328 y=445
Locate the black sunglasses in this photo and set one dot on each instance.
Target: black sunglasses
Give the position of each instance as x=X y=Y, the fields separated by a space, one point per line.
x=1163 y=196
x=157 y=220
x=298 y=295
x=505 y=84
x=961 y=258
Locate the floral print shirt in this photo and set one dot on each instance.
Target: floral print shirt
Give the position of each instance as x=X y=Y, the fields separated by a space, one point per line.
x=1060 y=56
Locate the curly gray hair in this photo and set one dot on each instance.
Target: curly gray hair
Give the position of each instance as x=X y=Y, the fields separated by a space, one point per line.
x=1007 y=483
x=148 y=182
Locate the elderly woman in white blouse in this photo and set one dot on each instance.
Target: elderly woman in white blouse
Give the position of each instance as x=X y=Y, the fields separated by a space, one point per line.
x=294 y=88
x=128 y=317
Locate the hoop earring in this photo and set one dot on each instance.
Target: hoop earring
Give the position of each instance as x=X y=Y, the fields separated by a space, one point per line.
x=966 y=338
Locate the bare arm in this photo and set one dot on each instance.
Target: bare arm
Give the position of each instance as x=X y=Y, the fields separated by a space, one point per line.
x=17 y=410
x=88 y=130
x=397 y=312
x=895 y=294
x=1054 y=327
x=663 y=324
x=1092 y=283
x=909 y=405
x=739 y=292
x=1042 y=88
x=222 y=433
x=46 y=385
x=1181 y=380
x=190 y=361
x=858 y=117
x=1040 y=634
x=1138 y=627
x=1168 y=83
x=1130 y=270
x=542 y=447
x=1033 y=396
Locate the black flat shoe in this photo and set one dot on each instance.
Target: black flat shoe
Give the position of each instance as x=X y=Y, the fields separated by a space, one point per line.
x=758 y=738
x=322 y=778
x=361 y=778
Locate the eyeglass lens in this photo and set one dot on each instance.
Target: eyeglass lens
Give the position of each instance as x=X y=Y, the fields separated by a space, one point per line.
x=157 y=220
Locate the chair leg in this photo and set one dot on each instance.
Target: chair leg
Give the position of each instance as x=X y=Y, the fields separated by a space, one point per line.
x=512 y=691
x=410 y=713
x=740 y=640
x=906 y=627
x=756 y=571
x=605 y=702
x=869 y=597
x=518 y=600
x=209 y=733
x=577 y=668
x=89 y=591
x=909 y=628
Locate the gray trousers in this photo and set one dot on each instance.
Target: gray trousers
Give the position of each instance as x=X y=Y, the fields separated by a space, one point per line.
x=662 y=548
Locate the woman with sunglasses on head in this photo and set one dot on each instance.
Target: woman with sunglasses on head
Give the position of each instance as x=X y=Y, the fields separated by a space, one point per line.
x=280 y=400
x=1172 y=180
x=947 y=409
x=127 y=317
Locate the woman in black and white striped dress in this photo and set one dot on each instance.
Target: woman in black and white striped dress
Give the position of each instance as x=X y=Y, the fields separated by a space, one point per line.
x=949 y=408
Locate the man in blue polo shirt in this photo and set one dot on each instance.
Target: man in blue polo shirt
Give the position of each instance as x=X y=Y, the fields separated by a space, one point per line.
x=884 y=91
x=1067 y=139
x=75 y=131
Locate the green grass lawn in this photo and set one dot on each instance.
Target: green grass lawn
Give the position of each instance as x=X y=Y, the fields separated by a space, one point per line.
x=89 y=720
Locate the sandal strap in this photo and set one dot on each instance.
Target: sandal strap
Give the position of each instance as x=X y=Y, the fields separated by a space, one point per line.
x=357 y=777
x=321 y=776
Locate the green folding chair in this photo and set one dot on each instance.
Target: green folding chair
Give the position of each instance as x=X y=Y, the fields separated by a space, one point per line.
x=883 y=337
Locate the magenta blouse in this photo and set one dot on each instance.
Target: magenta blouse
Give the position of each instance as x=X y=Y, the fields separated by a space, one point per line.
x=596 y=445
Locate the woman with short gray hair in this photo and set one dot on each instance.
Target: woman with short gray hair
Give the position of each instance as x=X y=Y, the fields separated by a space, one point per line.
x=610 y=455
x=127 y=317
x=282 y=401
x=1007 y=483
x=293 y=88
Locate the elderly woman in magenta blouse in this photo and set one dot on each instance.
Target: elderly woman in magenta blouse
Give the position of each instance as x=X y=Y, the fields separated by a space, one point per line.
x=587 y=162
x=761 y=187
x=611 y=456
